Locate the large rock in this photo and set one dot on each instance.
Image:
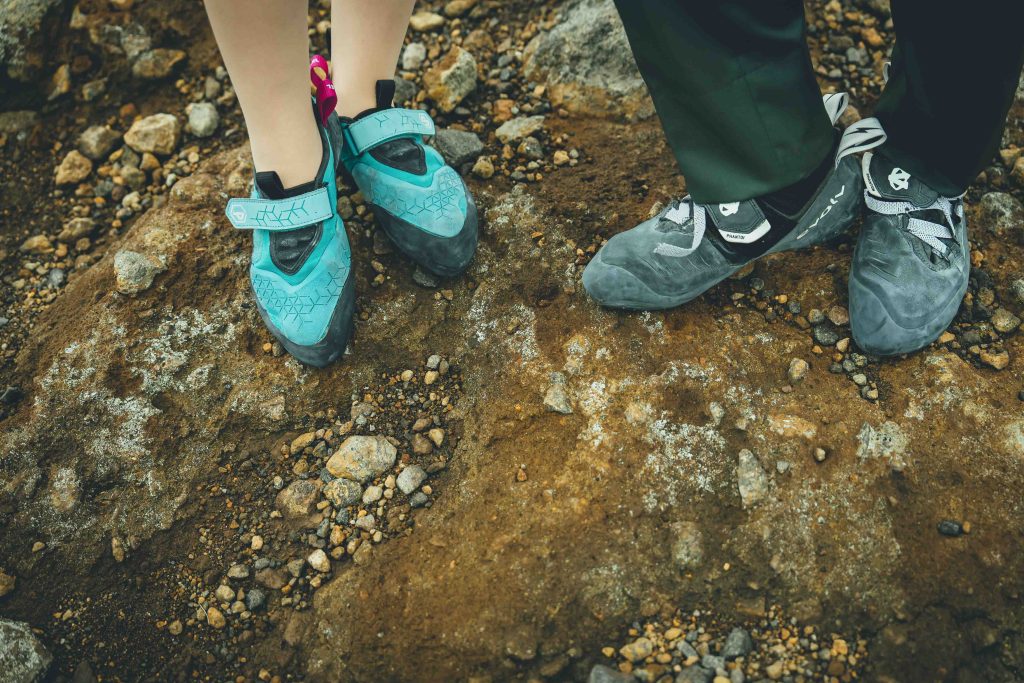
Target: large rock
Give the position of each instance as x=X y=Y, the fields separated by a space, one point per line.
x=26 y=30
x=150 y=399
x=586 y=61
x=23 y=659
x=450 y=80
x=157 y=134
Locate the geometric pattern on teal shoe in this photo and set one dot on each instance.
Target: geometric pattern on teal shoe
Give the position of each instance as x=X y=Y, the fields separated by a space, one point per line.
x=280 y=214
x=387 y=124
x=439 y=208
x=299 y=308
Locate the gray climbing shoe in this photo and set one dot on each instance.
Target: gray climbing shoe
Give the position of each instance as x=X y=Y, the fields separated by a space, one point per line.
x=911 y=264
x=688 y=248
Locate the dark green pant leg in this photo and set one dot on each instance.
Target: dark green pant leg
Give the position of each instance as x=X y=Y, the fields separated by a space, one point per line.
x=954 y=73
x=733 y=85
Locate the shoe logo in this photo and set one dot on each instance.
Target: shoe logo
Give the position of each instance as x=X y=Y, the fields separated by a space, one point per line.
x=899 y=179
x=238 y=214
x=831 y=202
x=729 y=209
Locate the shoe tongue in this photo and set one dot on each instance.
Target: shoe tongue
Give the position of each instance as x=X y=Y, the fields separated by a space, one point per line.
x=884 y=179
x=739 y=222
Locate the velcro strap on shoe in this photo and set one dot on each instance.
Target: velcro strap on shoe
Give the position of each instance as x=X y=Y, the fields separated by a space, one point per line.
x=388 y=124
x=280 y=214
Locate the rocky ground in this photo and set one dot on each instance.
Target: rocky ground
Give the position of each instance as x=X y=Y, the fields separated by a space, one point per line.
x=500 y=481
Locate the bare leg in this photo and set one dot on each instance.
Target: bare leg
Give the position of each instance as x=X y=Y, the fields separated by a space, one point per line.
x=266 y=51
x=366 y=38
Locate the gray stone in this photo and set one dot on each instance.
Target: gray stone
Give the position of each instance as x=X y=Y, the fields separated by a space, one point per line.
x=157 y=134
x=556 y=398
x=297 y=500
x=158 y=63
x=752 y=479
x=343 y=492
x=1004 y=321
x=135 y=272
x=519 y=128
x=134 y=40
x=586 y=61
x=825 y=334
x=737 y=644
x=411 y=478
x=17 y=123
x=361 y=458
x=413 y=56
x=695 y=674
x=424 y=279
x=255 y=599
x=23 y=659
x=26 y=26
x=56 y=278
x=686 y=649
x=712 y=662
x=605 y=674
x=418 y=499
x=1018 y=289
x=458 y=147
x=687 y=545
x=202 y=119
x=238 y=571
x=1000 y=212
x=450 y=80
x=797 y=370
x=405 y=91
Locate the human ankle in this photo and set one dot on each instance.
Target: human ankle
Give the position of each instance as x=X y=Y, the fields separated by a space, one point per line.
x=791 y=200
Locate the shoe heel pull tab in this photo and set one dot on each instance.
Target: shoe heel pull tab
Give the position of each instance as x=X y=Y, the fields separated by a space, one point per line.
x=384 y=91
x=835 y=104
x=323 y=88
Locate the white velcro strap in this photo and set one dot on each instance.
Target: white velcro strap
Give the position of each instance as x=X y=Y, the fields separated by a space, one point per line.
x=859 y=137
x=280 y=214
x=679 y=215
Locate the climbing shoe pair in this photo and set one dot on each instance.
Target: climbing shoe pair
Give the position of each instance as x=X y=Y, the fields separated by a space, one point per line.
x=910 y=266
x=301 y=271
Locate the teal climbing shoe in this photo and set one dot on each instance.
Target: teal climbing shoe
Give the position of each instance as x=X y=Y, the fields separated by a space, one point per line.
x=421 y=203
x=301 y=268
